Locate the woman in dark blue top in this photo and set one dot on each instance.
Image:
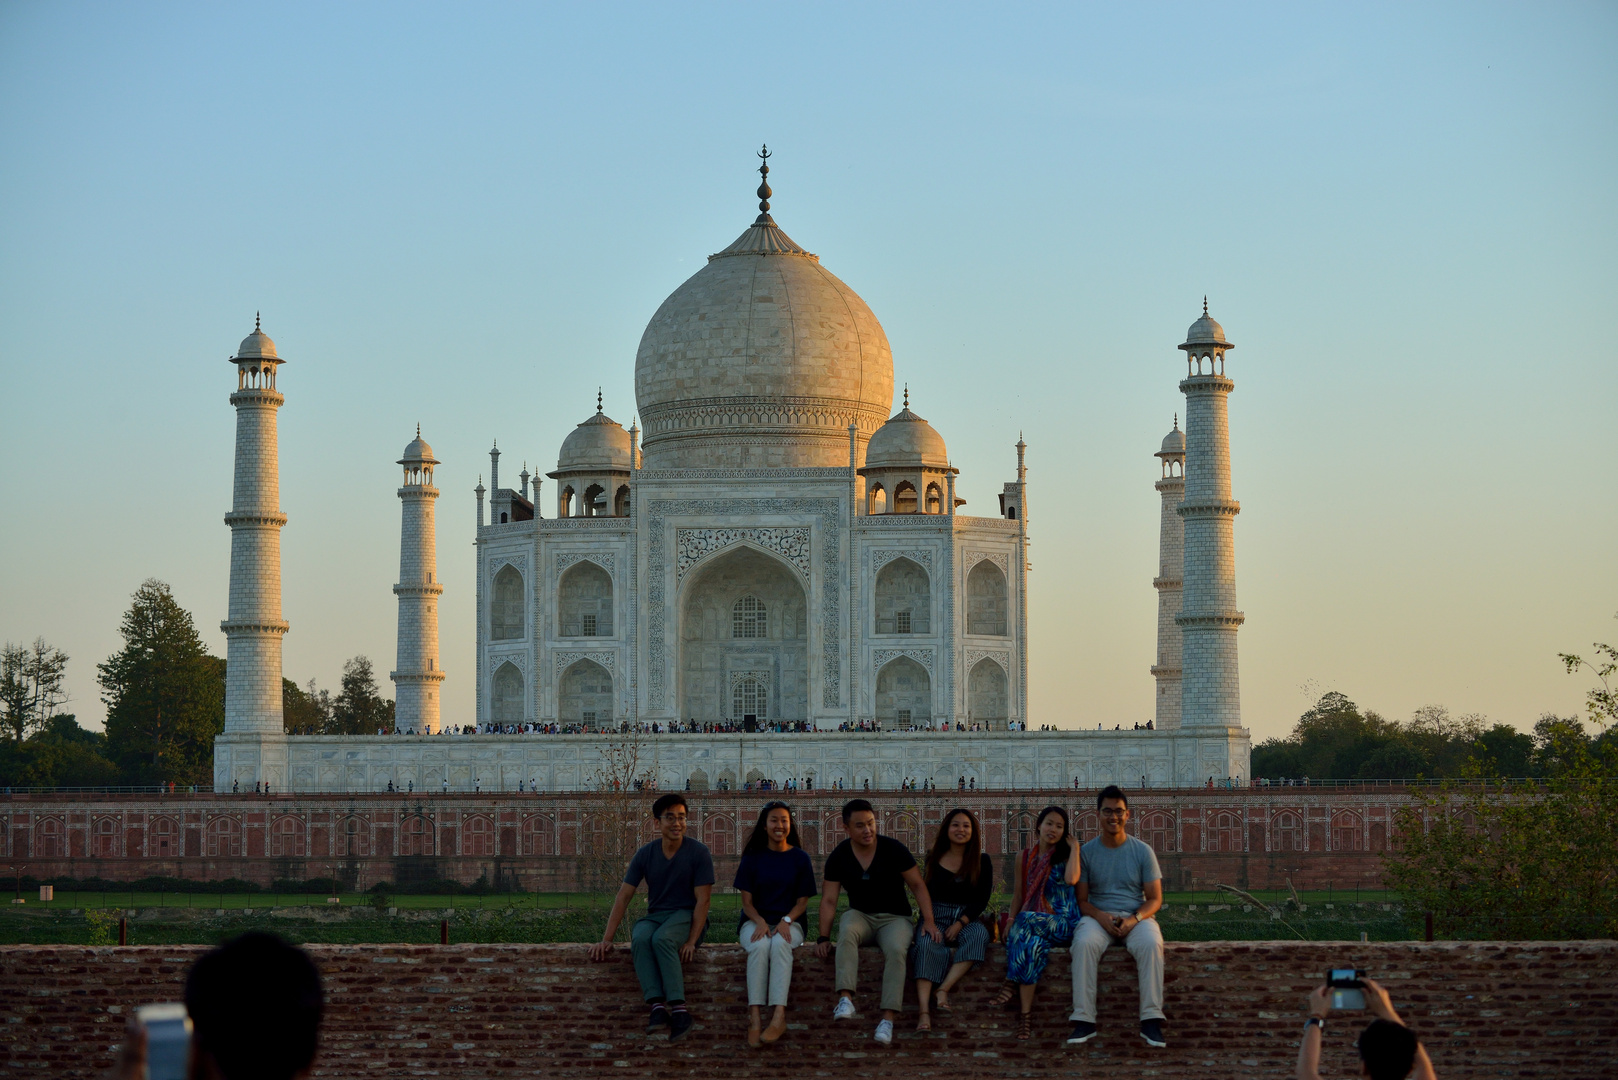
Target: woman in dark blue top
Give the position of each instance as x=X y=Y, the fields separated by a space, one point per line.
x=776 y=880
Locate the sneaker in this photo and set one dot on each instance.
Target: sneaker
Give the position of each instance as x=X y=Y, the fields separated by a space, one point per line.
x=679 y=1025
x=884 y=1033
x=1083 y=1031
x=844 y=1009
x=1152 y=1032
x=658 y=1020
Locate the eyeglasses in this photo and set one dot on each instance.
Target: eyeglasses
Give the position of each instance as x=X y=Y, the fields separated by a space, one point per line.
x=1115 y=813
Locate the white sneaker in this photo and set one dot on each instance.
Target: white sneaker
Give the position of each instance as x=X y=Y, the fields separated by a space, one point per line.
x=844 y=1009
x=884 y=1033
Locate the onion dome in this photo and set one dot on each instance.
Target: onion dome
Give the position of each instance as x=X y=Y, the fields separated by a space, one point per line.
x=762 y=357
x=905 y=442
x=418 y=452
x=1205 y=332
x=1174 y=441
x=599 y=444
x=257 y=346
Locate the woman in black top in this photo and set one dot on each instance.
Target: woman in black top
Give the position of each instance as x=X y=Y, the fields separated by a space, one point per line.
x=776 y=880
x=960 y=878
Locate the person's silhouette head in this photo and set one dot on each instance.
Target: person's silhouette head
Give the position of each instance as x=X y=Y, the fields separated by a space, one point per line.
x=255 y=1005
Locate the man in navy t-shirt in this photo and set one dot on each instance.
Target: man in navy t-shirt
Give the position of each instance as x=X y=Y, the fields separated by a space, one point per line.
x=679 y=880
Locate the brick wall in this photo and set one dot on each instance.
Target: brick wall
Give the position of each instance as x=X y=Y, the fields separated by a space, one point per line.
x=1492 y=1009
x=1250 y=838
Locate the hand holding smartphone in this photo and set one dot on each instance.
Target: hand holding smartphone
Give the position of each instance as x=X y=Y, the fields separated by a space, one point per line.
x=1347 y=991
x=168 y=1039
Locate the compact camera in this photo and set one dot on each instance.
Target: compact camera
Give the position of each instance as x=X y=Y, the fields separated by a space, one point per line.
x=1347 y=991
x=168 y=1039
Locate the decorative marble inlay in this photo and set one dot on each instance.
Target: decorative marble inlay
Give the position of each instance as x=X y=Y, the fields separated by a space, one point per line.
x=565 y=660
x=924 y=657
x=999 y=558
x=604 y=559
x=760 y=677
x=999 y=656
x=880 y=557
x=691 y=546
x=520 y=659
x=500 y=562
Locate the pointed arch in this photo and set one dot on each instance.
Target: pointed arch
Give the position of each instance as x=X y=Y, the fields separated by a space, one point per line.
x=506 y=605
x=904 y=694
x=988 y=694
x=876 y=500
x=986 y=600
x=584 y=601
x=508 y=696
x=903 y=598
x=585 y=695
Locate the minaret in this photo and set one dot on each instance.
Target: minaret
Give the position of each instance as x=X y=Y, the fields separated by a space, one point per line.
x=419 y=675
x=1208 y=619
x=253 y=630
x=1170 y=556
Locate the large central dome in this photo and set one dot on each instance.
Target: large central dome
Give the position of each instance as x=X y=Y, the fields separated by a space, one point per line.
x=761 y=359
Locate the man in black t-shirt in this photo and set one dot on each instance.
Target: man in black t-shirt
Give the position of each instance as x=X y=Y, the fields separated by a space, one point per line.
x=875 y=870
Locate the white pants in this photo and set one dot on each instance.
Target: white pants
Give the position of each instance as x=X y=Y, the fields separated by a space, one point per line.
x=1145 y=944
x=769 y=964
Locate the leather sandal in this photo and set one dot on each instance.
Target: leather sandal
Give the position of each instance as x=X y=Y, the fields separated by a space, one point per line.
x=1003 y=998
x=1025 y=1027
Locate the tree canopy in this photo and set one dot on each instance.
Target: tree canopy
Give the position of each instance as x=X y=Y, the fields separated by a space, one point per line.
x=165 y=694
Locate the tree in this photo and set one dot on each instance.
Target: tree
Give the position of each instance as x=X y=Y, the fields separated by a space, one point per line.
x=30 y=687
x=305 y=712
x=358 y=709
x=1503 y=751
x=1532 y=861
x=165 y=695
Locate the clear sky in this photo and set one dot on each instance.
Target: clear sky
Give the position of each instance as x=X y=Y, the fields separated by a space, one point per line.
x=464 y=215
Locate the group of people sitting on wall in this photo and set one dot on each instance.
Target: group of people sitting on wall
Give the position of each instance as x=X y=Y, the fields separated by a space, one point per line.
x=1087 y=897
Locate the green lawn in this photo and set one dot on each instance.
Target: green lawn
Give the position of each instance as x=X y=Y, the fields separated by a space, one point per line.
x=206 y=918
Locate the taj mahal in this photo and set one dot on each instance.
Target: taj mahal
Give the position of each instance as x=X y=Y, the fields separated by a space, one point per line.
x=772 y=579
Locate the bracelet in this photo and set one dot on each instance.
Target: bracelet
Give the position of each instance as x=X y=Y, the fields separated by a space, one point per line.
x=1315 y=1021
x=822 y=939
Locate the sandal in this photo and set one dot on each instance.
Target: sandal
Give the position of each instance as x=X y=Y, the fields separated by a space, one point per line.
x=1003 y=998
x=941 y=1002
x=924 y=1022
x=1025 y=1027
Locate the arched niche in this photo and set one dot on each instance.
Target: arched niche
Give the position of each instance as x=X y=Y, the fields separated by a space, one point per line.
x=876 y=500
x=904 y=498
x=586 y=695
x=986 y=600
x=935 y=499
x=584 y=601
x=987 y=694
x=506 y=605
x=739 y=592
x=506 y=697
x=904 y=694
x=904 y=598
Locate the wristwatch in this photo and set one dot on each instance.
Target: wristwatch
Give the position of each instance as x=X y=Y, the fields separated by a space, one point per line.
x=787 y=919
x=1316 y=1021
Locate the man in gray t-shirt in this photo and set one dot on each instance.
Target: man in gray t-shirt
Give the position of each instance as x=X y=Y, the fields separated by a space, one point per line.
x=1120 y=890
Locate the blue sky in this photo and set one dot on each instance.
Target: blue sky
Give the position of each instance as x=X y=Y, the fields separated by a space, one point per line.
x=464 y=216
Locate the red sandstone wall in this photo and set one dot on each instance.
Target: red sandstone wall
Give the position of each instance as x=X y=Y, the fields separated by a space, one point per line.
x=1498 y=1010
x=1252 y=838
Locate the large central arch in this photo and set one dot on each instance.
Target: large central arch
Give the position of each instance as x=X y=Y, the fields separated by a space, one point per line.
x=743 y=626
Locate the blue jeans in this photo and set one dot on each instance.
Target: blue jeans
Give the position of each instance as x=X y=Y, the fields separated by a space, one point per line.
x=655 y=946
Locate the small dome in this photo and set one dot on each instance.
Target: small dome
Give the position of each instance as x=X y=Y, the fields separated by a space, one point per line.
x=599 y=443
x=1206 y=332
x=906 y=441
x=256 y=346
x=418 y=452
x=1174 y=441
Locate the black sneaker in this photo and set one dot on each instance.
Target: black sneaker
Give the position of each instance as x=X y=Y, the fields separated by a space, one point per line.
x=658 y=1020
x=1152 y=1032
x=679 y=1025
x=1082 y=1032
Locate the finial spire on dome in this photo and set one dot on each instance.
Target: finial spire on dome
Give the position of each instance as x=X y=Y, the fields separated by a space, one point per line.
x=764 y=191
x=1205 y=305
x=598 y=399
x=256 y=321
x=1176 y=421
x=907 y=395
x=418 y=429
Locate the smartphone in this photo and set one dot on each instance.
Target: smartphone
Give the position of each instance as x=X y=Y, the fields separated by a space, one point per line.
x=1347 y=992
x=168 y=1039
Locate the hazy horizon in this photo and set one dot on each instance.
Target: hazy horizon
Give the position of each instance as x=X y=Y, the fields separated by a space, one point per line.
x=465 y=217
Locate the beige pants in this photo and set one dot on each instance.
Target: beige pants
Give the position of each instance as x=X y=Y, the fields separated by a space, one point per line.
x=892 y=932
x=1145 y=944
x=769 y=964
